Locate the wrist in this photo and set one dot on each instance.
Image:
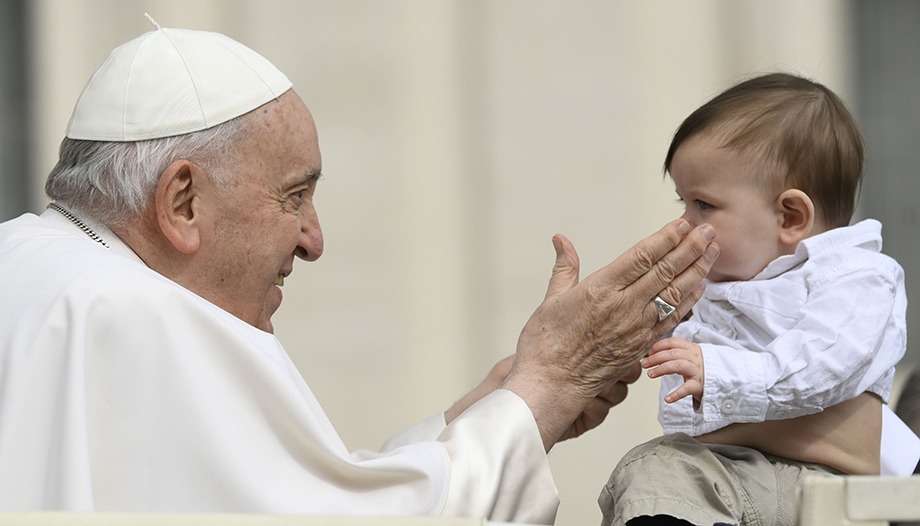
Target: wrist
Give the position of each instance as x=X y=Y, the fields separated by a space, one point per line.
x=554 y=406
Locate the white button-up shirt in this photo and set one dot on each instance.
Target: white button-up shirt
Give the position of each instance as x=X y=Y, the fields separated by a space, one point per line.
x=813 y=329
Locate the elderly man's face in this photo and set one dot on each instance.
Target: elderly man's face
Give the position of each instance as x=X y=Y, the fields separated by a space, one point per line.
x=266 y=216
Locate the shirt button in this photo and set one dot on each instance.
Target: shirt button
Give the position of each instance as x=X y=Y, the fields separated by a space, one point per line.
x=728 y=407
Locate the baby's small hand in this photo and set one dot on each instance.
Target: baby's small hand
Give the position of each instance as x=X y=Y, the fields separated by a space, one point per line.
x=677 y=356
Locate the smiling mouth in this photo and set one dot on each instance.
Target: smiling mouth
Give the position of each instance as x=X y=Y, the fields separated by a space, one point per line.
x=279 y=280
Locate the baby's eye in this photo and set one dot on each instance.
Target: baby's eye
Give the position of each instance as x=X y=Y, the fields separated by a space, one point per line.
x=703 y=204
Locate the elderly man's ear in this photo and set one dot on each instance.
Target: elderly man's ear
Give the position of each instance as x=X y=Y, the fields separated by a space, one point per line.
x=177 y=205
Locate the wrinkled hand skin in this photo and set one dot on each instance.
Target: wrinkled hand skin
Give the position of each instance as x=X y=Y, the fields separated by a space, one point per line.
x=593 y=414
x=588 y=334
x=596 y=410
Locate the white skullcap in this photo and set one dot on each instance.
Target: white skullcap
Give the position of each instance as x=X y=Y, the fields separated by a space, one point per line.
x=171 y=82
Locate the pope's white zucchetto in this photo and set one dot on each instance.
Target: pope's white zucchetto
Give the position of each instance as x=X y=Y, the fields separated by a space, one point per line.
x=172 y=82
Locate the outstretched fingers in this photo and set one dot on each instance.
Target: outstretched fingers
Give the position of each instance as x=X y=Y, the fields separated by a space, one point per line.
x=644 y=255
x=669 y=265
x=579 y=349
x=677 y=278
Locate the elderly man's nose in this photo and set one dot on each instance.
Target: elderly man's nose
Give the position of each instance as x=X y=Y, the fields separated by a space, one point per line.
x=310 y=245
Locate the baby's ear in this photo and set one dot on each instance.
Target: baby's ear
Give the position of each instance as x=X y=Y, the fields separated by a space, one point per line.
x=798 y=216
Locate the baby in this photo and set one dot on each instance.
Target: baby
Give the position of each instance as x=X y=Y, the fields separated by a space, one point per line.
x=785 y=364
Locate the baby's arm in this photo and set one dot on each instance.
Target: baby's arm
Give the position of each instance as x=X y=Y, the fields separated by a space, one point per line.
x=677 y=356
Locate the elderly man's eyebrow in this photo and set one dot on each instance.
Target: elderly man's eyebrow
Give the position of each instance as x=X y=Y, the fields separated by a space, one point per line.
x=309 y=176
x=305 y=179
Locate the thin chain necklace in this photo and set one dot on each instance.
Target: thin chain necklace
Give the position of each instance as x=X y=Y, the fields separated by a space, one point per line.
x=80 y=224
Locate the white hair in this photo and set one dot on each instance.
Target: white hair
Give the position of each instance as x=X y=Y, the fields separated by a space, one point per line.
x=112 y=182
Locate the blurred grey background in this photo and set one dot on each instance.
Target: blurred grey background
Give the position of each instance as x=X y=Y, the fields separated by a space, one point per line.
x=458 y=136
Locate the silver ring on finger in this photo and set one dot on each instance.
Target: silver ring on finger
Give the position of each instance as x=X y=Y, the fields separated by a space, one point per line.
x=664 y=308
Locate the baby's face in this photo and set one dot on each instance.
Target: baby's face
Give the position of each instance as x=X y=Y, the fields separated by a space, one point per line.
x=716 y=186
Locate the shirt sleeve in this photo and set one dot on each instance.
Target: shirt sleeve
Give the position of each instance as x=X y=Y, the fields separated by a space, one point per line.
x=846 y=340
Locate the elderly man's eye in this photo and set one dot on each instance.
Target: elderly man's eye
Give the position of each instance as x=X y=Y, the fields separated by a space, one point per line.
x=295 y=199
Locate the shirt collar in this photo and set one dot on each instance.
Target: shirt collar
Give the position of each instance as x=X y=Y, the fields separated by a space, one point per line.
x=866 y=234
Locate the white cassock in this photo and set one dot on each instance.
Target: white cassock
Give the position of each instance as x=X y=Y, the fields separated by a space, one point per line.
x=122 y=391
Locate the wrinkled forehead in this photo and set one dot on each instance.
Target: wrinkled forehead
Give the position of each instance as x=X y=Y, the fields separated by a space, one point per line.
x=281 y=136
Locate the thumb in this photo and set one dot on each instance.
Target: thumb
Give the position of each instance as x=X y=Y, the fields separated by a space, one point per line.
x=565 y=270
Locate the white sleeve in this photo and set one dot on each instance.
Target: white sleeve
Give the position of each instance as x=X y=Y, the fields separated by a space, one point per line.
x=829 y=338
x=837 y=350
x=498 y=468
x=426 y=430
